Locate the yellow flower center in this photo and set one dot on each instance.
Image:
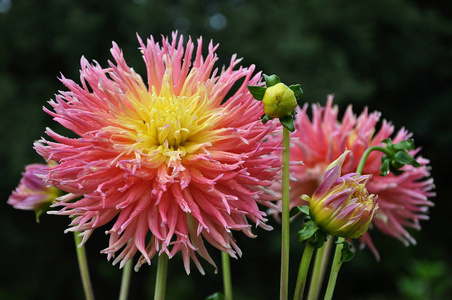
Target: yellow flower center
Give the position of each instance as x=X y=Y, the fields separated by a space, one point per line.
x=165 y=127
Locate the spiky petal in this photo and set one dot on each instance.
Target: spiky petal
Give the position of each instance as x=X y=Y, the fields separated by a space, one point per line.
x=173 y=161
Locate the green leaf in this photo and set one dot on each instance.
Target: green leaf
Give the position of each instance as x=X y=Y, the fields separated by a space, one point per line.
x=216 y=296
x=257 y=92
x=308 y=230
x=304 y=209
x=287 y=122
x=404 y=158
x=296 y=90
x=318 y=239
x=271 y=80
x=346 y=253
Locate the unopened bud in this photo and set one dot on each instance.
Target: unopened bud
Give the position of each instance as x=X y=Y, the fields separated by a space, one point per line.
x=279 y=101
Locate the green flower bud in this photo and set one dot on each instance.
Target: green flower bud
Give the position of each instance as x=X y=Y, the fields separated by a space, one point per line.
x=279 y=101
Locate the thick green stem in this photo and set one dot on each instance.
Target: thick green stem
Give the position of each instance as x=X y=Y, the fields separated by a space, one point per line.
x=335 y=267
x=160 y=282
x=227 y=285
x=321 y=260
x=285 y=217
x=303 y=271
x=83 y=266
x=125 y=282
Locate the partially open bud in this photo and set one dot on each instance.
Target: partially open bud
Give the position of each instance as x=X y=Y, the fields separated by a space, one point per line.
x=279 y=101
x=32 y=193
x=342 y=206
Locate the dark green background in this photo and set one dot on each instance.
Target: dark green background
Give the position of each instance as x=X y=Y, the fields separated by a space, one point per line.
x=392 y=56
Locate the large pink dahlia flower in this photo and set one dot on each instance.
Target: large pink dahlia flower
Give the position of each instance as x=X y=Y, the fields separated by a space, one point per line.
x=172 y=162
x=319 y=140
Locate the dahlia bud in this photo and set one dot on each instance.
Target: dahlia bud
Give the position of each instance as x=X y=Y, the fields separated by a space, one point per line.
x=342 y=206
x=32 y=193
x=279 y=101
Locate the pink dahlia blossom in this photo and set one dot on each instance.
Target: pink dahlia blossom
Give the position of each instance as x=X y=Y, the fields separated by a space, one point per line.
x=320 y=139
x=173 y=161
x=32 y=192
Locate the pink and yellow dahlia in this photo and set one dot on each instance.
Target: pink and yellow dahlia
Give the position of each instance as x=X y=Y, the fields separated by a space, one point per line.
x=341 y=206
x=172 y=162
x=403 y=200
x=32 y=192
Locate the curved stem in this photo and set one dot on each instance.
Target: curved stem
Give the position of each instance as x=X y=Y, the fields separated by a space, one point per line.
x=303 y=271
x=83 y=267
x=125 y=281
x=321 y=260
x=226 y=276
x=366 y=153
x=285 y=217
x=160 y=282
x=335 y=267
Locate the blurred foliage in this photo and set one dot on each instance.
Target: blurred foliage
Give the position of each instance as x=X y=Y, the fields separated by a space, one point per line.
x=426 y=280
x=393 y=56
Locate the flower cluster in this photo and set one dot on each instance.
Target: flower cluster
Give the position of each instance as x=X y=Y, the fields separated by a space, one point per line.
x=403 y=200
x=172 y=161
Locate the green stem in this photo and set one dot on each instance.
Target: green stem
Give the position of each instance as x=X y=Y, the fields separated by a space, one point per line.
x=125 y=282
x=83 y=267
x=303 y=271
x=335 y=267
x=321 y=260
x=285 y=215
x=366 y=154
x=160 y=282
x=226 y=276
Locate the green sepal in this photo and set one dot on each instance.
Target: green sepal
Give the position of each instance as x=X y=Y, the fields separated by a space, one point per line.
x=346 y=253
x=296 y=88
x=384 y=167
x=265 y=118
x=304 y=209
x=308 y=230
x=287 y=122
x=404 y=145
x=42 y=209
x=257 y=92
x=404 y=158
x=271 y=80
x=318 y=239
x=397 y=156
x=216 y=296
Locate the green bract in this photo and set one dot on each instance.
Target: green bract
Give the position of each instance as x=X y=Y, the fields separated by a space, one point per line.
x=396 y=157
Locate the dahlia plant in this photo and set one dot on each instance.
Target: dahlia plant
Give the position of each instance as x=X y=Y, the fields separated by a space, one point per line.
x=187 y=156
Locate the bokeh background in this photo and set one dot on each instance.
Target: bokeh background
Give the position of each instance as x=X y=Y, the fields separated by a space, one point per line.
x=392 y=56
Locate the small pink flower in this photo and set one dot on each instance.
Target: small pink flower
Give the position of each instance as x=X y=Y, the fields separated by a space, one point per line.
x=403 y=200
x=341 y=205
x=172 y=161
x=32 y=192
